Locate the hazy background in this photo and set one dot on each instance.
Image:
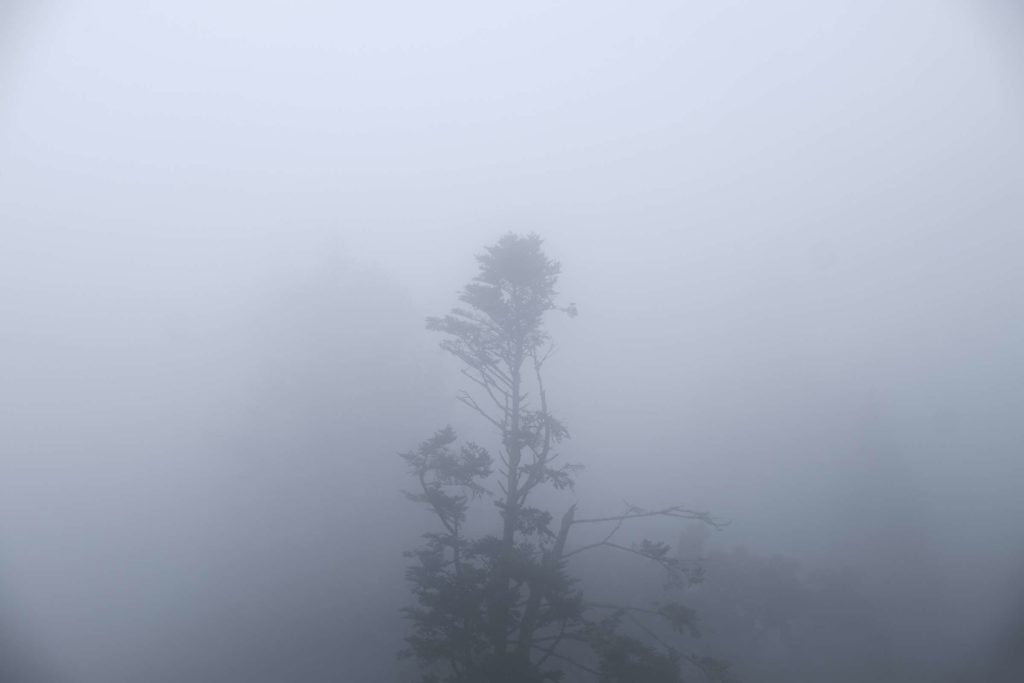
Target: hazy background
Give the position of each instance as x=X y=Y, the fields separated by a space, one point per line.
x=793 y=230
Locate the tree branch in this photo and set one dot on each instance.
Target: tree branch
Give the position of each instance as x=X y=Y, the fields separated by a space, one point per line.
x=677 y=511
x=551 y=653
x=466 y=399
x=602 y=542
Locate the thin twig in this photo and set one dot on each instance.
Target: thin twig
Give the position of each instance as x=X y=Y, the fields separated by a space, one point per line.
x=552 y=653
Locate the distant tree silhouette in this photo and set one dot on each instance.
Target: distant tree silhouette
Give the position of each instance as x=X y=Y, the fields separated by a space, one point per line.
x=776 y=623
x=500 y=607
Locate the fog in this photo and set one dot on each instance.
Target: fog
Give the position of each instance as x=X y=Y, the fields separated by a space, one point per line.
x=794 y=232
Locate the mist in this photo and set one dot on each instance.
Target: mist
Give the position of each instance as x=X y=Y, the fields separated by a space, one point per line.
x=793 y=231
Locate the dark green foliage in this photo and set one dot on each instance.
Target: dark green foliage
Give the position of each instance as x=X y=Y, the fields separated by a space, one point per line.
x=501 y=608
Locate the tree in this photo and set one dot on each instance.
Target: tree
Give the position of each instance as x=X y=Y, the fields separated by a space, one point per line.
x=501 y=607
x=776 y=623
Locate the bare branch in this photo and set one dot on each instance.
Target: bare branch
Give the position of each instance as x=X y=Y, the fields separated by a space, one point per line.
x=554 y=645
x=609 y=544
x=484 y=382
x=650 y=633
x=551 y=653
x=602 y=542
x=623 y=608
x=466 y=399
x=677 y=511
x=490 y=387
